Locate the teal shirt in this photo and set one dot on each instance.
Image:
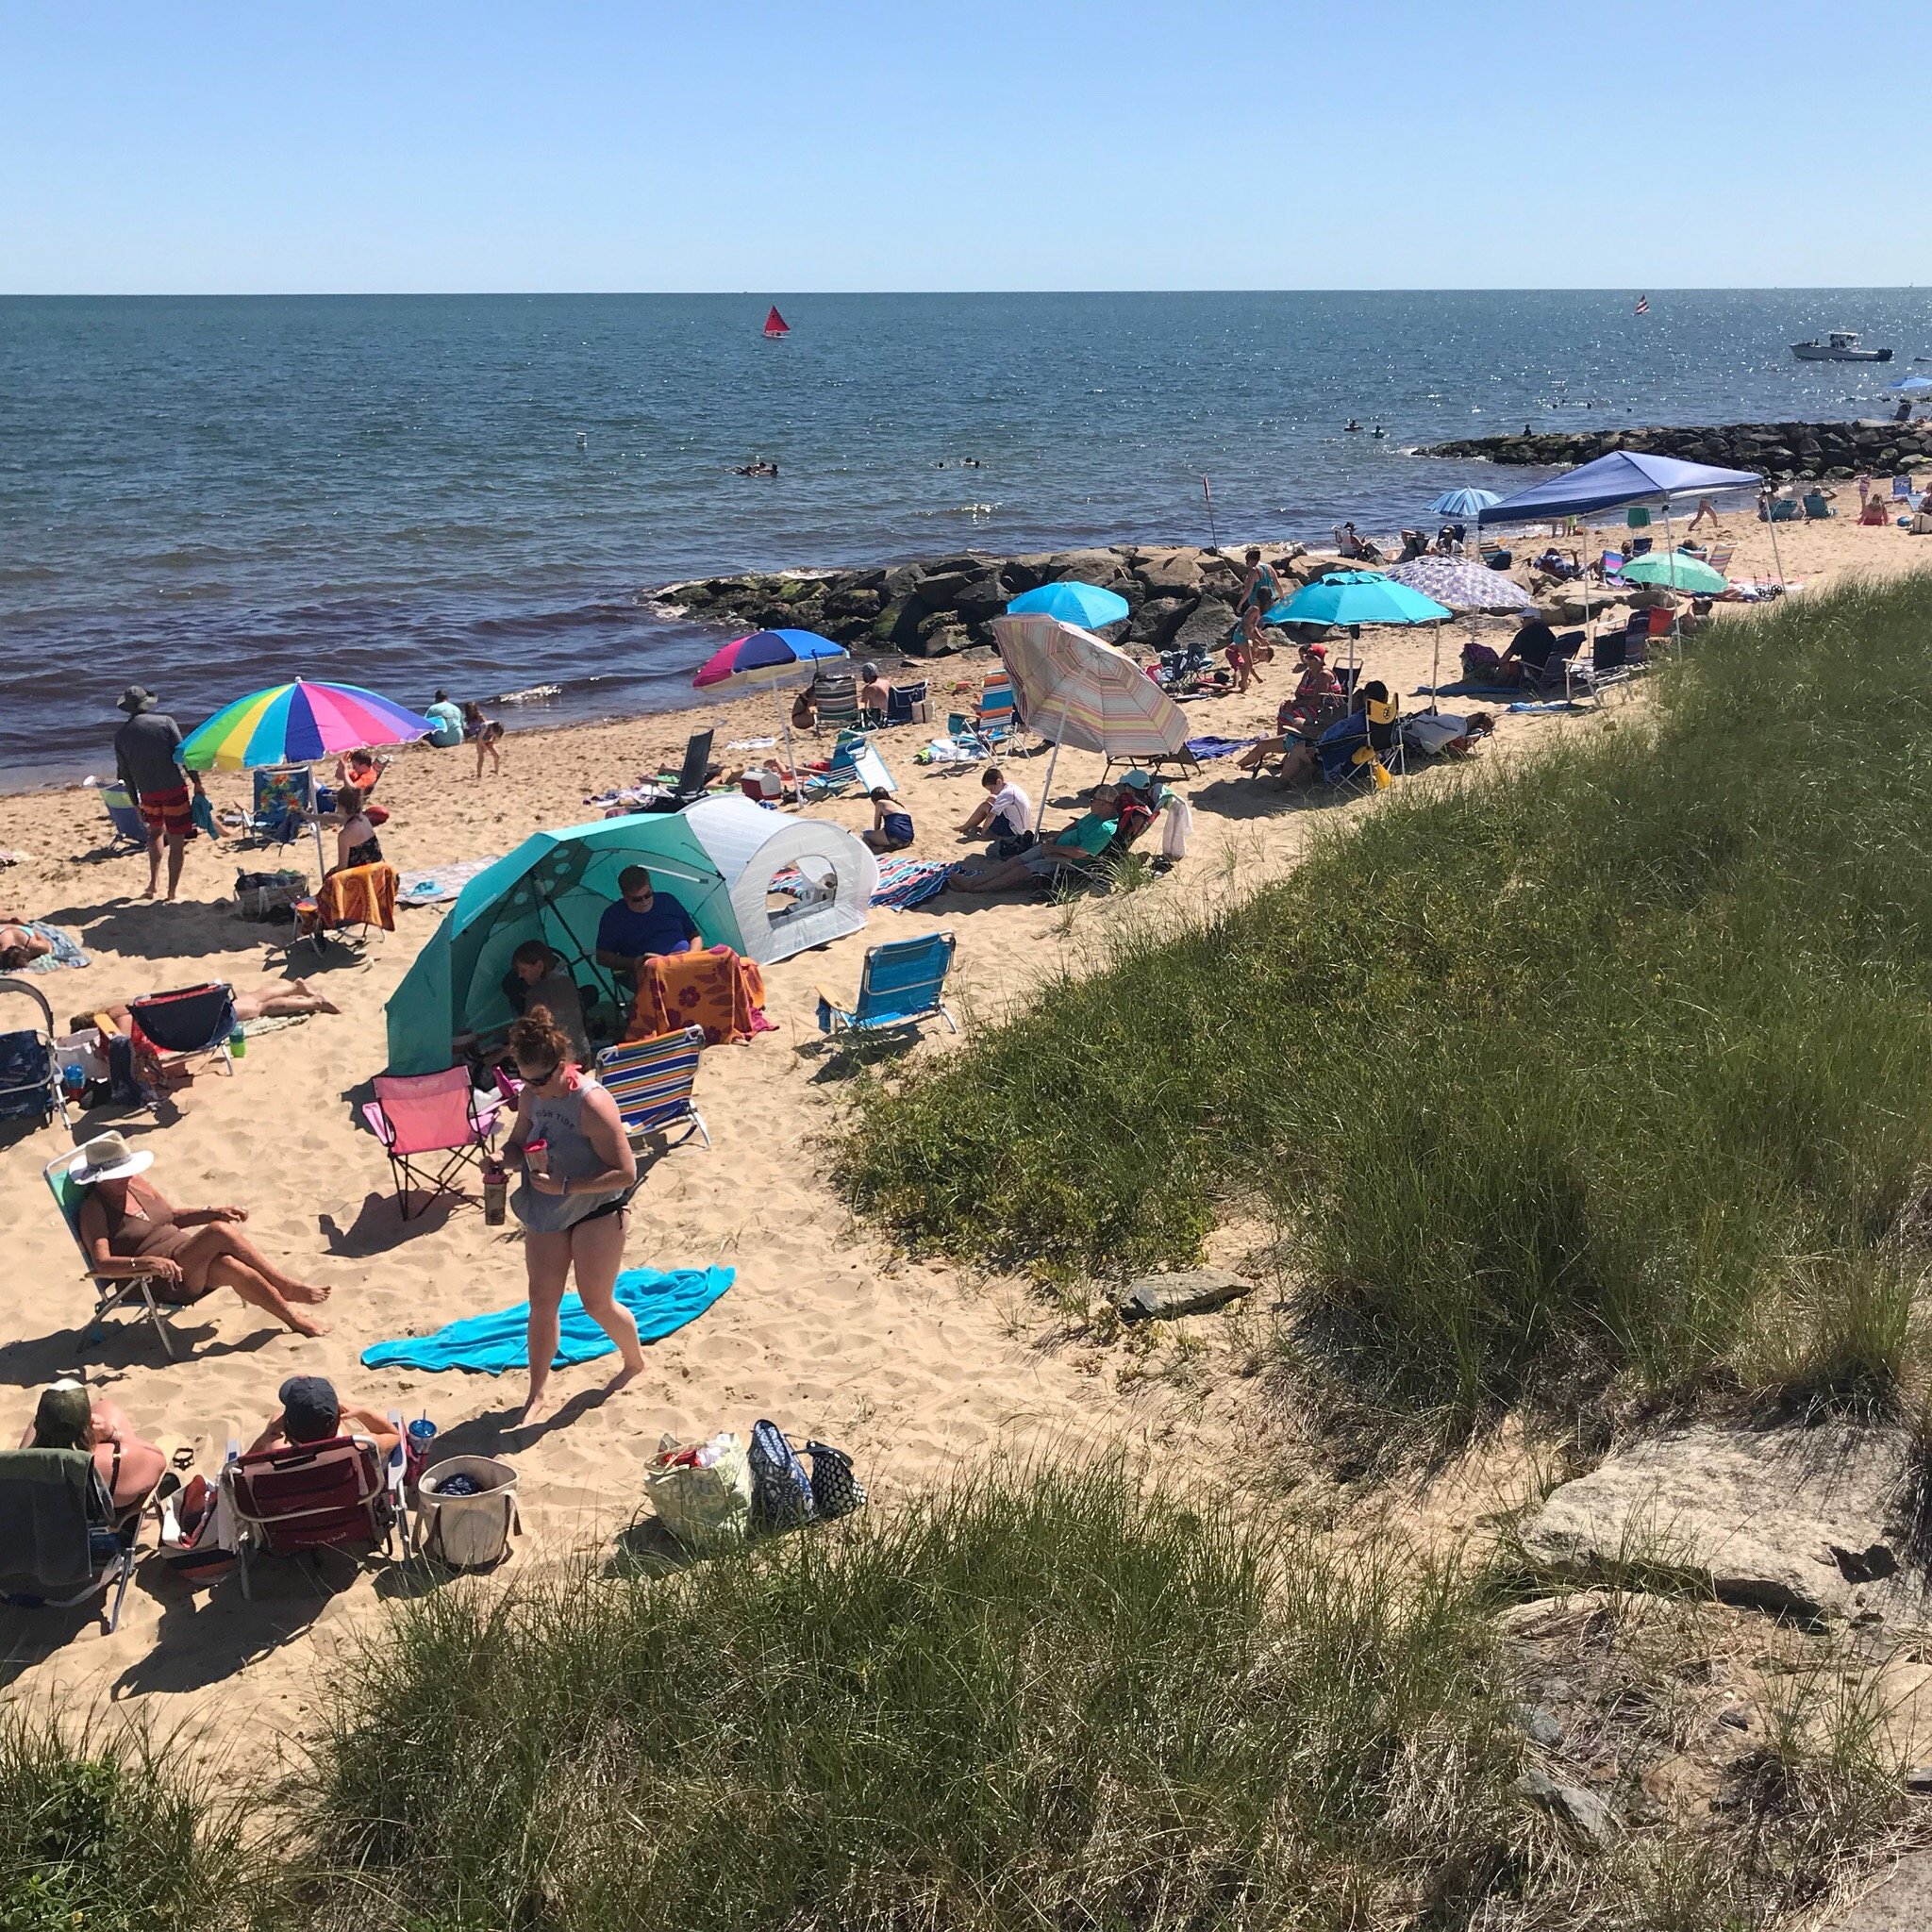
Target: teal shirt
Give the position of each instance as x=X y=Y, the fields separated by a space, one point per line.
x=1090 y=834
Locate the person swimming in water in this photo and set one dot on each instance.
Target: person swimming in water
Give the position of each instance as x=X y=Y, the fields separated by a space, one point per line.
x=1351 y=424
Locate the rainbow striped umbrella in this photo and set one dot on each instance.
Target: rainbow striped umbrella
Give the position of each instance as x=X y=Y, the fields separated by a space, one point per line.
x=293 y=723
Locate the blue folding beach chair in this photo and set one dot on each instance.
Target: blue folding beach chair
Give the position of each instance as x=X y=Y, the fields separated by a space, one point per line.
x=124 y=814
x=30 y=1085
x=651 y=1081
x=60 y=1539
x=1901 y=490
x=901 y=983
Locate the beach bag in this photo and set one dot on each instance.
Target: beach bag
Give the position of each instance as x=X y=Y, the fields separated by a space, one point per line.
x=471 y=1530
x=1011 y=848
x=269 y=895
x=780 y=1489
x=1478 y=661
x=702 y=1491
x=834 y=1491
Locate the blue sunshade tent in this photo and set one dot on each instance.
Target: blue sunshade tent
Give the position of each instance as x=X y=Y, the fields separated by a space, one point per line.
x=1464 y=503
x=1085 y=605
x=1612 y=482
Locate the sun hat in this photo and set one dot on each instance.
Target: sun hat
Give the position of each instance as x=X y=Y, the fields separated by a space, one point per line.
x=137 y=697
x=64 y=1417
x=108 y=1157
x=310 y=1411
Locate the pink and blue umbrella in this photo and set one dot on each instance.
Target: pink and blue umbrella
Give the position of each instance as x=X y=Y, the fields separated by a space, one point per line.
x=295 y=724
x=767 y=657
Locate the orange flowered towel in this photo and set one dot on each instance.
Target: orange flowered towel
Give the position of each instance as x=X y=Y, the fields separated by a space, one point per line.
x=718 y=991
x=362 y=895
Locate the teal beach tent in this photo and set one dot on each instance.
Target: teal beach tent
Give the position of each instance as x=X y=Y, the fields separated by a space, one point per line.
x=718 y=859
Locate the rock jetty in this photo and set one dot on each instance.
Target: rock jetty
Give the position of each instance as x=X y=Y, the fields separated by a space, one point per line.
x=1175 y=597
x=1783 y=450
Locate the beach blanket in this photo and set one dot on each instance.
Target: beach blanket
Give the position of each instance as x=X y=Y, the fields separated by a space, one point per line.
x=1462 y=688
x=717 y=989
x=66 y=950
x=1547 y=705
x=443 y=884
x=904 y=883
x=661 y=1303
x=949 y=751
x=1212 y=747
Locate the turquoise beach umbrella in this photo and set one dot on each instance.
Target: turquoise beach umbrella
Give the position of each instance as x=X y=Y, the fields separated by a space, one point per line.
x=1676 y=570
x=1085 y=605
x=1355 y=598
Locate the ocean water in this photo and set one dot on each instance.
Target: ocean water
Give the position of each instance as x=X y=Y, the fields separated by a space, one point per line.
x=208 y=496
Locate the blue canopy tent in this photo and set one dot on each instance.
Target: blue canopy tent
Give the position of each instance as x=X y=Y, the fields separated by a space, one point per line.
x=1617 y=481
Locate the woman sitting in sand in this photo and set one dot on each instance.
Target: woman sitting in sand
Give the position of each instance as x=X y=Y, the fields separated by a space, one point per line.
x=579 y=1175
x=67 y=1418
x=129 y=1229
x=486 y=734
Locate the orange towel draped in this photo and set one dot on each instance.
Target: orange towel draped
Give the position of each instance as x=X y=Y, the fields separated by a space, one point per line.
x=362 y=895
x=718 y=991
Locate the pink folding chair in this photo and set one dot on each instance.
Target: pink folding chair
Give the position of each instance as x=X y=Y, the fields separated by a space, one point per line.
x=418 y=1117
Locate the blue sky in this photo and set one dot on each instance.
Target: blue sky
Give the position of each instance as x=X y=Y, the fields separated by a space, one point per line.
x=299 y=145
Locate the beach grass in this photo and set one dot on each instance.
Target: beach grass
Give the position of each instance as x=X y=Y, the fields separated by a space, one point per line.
x=1615 y=1064
x=1042 y=1698
x=111 y=1835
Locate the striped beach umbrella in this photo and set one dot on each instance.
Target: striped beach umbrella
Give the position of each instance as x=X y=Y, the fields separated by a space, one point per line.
x=1074 y=688
x=295 y=723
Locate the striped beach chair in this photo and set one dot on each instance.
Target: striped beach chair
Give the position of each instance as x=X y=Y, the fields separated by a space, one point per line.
x=651 y=1081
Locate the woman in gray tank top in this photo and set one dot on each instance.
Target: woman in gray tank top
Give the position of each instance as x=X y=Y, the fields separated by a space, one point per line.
x=573 y=1201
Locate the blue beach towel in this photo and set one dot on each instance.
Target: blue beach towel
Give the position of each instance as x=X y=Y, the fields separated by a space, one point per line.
x=1463 y=688
x=1202 y=749
x=491 y=1343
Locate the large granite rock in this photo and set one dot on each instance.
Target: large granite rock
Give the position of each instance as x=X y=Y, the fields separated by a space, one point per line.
x=1186 y=1291
x=1794 y=1520
x=1170 y=573
x=1206 y=625
x=1158 y=620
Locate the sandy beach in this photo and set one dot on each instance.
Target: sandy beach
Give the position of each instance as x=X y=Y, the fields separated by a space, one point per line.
x=914 y=1369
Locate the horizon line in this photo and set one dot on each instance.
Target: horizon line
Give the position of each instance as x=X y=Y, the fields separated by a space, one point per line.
x=816 y=294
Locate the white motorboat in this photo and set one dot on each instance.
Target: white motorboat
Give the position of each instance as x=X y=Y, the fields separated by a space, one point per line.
x=1838 y=345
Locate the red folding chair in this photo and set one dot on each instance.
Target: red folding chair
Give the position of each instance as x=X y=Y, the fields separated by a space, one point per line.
x=418 y=1117
x=315 y=1496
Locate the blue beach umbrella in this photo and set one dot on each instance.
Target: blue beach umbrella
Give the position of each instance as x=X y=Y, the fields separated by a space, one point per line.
x=1085 y=605
x=1464 y=503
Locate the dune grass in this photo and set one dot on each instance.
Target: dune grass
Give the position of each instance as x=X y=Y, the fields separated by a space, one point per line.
x=1041 y=1699
x=112 y=1837
x=1613 y=1063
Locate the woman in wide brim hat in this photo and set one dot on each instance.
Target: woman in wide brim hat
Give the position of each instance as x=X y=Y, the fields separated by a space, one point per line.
x=131 y=1229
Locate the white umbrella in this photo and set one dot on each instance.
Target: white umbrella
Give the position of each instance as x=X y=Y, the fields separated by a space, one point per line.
x=1074 y=688
x=1460 y=586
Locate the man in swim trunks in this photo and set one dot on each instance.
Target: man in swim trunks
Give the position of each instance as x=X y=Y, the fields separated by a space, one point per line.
x=147 y=761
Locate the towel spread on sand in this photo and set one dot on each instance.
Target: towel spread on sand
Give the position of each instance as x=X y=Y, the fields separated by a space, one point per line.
x=661 y=1303
x=904 y=883
x=445 y=882
x=66 y=947
x=1463 y=688
x=1212 y=747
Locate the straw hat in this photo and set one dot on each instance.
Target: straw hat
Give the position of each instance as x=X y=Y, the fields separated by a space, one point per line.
x=108 y=1157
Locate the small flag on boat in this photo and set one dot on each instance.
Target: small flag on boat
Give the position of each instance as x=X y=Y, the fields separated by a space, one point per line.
x=1642 y=308
x=775 y=323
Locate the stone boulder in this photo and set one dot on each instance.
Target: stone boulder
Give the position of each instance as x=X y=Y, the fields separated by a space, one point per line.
x=1793 y=1519
x=1206 y=626
x=1105 y=568
x=1158 y=620
x=1186 y=1291
x=982 y=599
x=1170 y=573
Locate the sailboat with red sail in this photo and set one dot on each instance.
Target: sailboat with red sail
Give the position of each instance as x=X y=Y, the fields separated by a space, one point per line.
x=776 y=324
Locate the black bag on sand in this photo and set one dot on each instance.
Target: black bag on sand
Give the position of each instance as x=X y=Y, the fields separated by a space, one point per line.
x=781 y=1492
x=836 y=1491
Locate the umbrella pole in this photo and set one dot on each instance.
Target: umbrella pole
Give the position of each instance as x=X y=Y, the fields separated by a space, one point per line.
x=1039 y=810
x=1671 y=551
x=784 y=721
x=1777 y=561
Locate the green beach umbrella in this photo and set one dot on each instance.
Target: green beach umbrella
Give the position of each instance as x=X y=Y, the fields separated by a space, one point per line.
x=1676 y=570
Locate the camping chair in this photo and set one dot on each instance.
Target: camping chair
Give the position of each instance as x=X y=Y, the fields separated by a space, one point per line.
x=60 y=1541
x=1495 y=556
x=651 y=1081
x=688 y=786
x=284 y=803
x=997 y=714
x=1720 y=560
x=1558 y=667
x=838 y=702
x=1349 y=760
x=1816 y=507
x=30 y=1085
x=1901 y=490
x=171 y=1028
x=1641 y=546
x=901 y=983
x=1609 y=567
x=124 y=814
x=419 y=1116
x=359 y=897
x=314 y=1496
x=904 y=703
x=110 y=1292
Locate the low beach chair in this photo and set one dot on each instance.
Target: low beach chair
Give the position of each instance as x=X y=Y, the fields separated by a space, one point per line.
x=60 y=1541
x=838 y=702
x=1816 y=507
x=359 y=899
x=307 y=1496
x=902 y=982
x=169 y=1029
x=284 y=803
x=124 y=814
x=1610 y=567
x=651 y=1081
x=30 y=1087
x=1720 y=560
x=998 y=714
x=1902 y=490
x=1495 y=556
x=686 y=785
x=110 y=1292
x=432 y=1128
